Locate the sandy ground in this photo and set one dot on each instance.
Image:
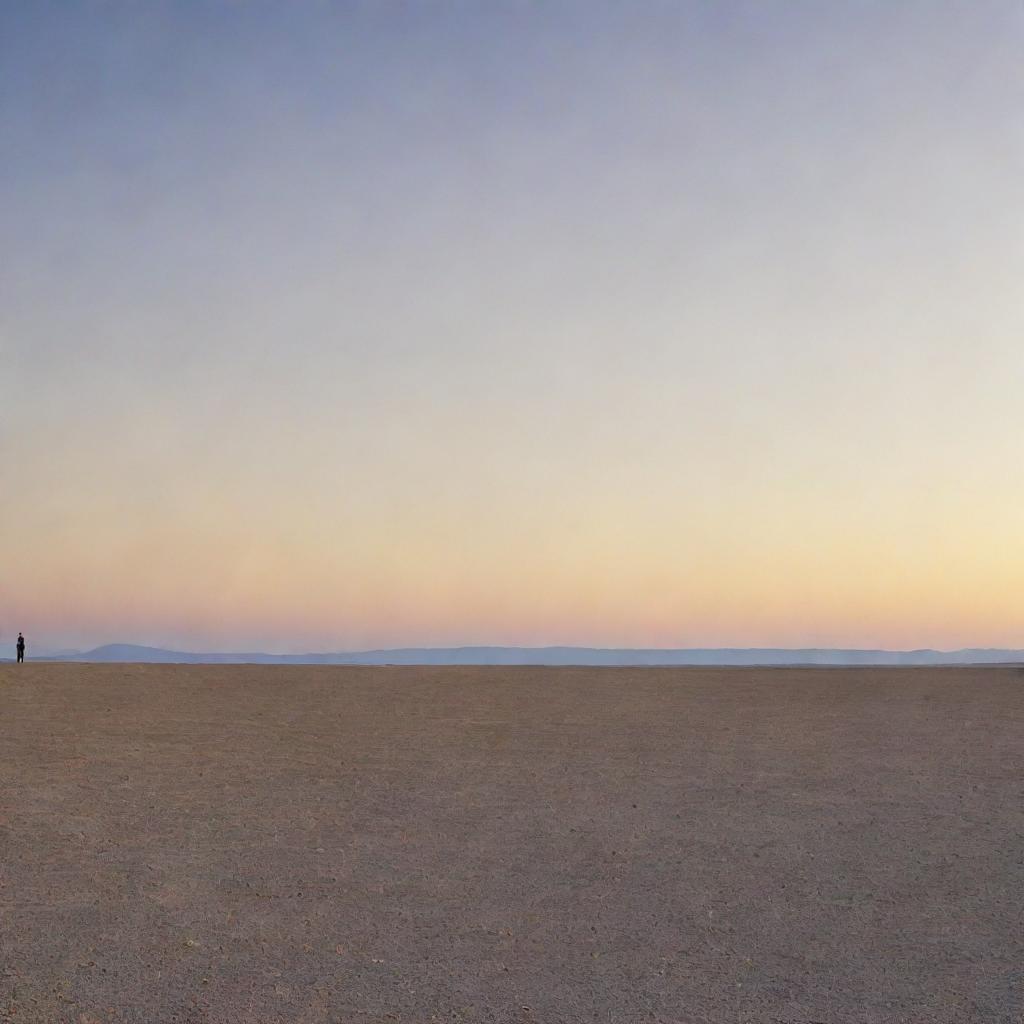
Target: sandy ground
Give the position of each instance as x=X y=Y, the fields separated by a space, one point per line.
x=265 y=844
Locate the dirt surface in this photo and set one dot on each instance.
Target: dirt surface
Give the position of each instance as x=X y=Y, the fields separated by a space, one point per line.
x=264 y=844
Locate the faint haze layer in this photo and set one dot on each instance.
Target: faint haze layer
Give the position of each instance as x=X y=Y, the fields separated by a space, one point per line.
x=345 y=326
x=567 y=656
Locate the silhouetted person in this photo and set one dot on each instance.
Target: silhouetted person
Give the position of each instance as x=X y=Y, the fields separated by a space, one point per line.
x=21 y=648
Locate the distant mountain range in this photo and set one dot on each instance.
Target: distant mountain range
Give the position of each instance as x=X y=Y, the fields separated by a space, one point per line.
x=557 y=656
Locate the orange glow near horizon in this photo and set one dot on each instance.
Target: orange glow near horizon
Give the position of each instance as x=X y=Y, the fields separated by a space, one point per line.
x=678 y=582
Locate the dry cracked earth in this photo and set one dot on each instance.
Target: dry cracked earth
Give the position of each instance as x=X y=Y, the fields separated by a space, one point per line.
x=252 y=845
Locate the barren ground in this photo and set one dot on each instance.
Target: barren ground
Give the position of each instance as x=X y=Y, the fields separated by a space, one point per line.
x=249 y=845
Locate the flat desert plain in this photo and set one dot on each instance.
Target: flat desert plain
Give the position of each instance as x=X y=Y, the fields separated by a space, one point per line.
x=265 y=844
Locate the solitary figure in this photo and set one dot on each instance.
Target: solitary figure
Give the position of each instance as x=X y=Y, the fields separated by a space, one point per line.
x=21 y=648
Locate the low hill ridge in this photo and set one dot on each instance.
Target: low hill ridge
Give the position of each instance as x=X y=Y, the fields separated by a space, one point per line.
x=595 y=656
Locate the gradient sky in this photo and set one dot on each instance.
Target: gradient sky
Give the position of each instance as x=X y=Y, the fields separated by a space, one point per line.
x=336 y=326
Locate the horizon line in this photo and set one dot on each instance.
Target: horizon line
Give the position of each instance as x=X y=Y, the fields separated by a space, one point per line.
x=553 y=654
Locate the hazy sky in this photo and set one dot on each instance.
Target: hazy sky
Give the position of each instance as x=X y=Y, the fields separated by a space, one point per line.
x=345 y=325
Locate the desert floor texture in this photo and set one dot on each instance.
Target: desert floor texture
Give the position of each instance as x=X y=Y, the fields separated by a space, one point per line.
x=252 y=845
